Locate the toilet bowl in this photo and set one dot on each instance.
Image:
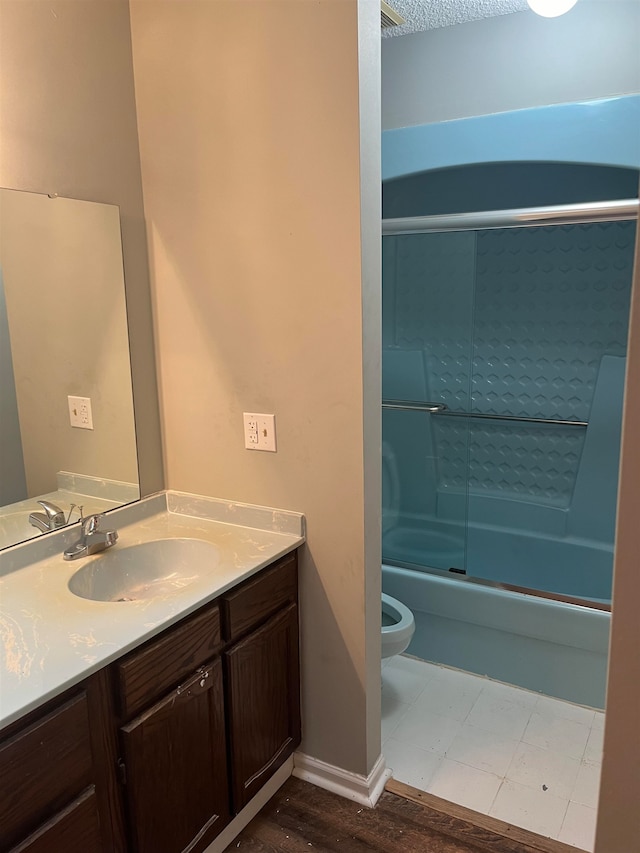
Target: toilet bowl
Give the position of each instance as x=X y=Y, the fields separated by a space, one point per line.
x=398 y=626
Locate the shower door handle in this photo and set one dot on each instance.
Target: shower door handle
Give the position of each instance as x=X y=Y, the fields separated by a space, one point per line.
x=431 y=408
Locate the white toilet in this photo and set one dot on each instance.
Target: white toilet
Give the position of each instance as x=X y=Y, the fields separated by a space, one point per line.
x=398 y=626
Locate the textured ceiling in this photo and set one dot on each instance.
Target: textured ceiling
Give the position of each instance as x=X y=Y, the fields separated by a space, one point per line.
x=431 y=14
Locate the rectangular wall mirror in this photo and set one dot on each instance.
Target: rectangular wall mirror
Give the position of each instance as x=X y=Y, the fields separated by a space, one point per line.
x=63 y=333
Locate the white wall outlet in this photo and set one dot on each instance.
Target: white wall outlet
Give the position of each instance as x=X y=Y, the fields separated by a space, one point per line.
x=259 y=431
x=80 y=412
x=250 y=431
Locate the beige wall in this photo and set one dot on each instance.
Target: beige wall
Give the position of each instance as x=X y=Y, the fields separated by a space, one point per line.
x=68 y=127
x=618 y=813
x=249 y=120
x=61 y=261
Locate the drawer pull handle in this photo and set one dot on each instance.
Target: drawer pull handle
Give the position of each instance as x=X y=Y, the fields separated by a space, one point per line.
x=199 y=680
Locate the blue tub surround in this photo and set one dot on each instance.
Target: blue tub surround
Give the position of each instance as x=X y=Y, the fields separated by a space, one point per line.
x=549 y=646
x=504 y=357
x=604 y=131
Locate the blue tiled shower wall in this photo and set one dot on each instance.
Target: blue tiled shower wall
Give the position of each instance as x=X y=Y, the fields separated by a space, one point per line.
x=528 y=322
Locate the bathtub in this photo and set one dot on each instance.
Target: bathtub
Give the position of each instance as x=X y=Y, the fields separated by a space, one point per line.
x=536 y=559
x=554 y=647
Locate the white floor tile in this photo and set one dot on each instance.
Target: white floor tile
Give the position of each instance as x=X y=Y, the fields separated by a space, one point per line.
x=564 y=710
x=412 y=664
x=411 y=765
x=449 y=696
x=495 y=713
x=593 y=751
x=392 y=713
x=482 y=749
x=456 y=735
x=587 y=785
x=544 y=769
x=467 y=786
x=427 y=731
x=404 y=679
x=579 y=827
x=537 y=810
x=559 y=735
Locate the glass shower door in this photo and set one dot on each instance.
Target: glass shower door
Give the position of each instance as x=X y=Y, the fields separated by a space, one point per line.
x=428 y=284
x=549 y=354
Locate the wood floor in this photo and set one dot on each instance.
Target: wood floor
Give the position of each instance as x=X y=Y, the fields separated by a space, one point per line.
x=304 y=817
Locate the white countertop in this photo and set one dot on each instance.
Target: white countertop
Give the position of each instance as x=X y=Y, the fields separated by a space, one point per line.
x=52 y=639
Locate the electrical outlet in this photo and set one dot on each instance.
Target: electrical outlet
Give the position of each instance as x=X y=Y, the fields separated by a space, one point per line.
x=259 y=432
x=80 y=412
x=250 y=431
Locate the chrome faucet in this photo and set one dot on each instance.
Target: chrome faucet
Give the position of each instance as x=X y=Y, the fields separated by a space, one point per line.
x=92 y=539
x=51 y=518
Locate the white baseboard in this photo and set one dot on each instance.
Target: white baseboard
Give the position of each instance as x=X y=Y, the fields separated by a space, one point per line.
x=248 y=813
x=365 y=790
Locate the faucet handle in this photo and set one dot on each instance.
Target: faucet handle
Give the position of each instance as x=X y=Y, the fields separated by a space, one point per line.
x=53 y=514
x=91 y=523
x=51 y=510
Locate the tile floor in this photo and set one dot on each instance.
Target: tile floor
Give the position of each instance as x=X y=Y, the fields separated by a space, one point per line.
x=527 y=759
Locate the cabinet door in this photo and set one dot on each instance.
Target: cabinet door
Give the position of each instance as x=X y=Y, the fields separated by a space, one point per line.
x=175 y=768
x=263 y=701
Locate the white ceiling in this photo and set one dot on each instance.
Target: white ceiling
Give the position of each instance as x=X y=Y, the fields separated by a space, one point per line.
x=430 y=14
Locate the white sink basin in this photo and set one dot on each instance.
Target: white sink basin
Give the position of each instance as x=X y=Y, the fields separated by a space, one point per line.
x=161 y=567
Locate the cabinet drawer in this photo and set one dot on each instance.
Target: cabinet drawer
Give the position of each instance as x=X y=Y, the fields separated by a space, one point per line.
x=149 y=672
x=256 y=600
x=75 y=829
x=43 y=768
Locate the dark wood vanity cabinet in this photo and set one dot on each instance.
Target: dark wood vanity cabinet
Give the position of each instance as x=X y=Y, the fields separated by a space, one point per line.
x=262 y=677
x=56 y=793
x=175 y=765
x=173 y=755
x=154 y=753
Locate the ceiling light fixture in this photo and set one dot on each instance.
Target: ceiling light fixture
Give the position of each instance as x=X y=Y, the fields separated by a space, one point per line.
x=551 y=8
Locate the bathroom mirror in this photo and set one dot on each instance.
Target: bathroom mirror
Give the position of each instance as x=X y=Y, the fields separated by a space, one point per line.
x=63 y=333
